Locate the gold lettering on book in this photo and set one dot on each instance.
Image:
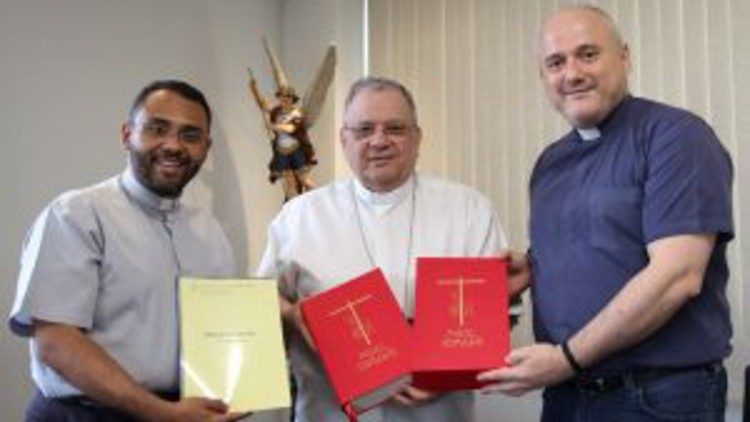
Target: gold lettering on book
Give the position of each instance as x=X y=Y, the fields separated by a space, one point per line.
x=461 y=338
x=461 y=309
x=374 y=356
x=362 y=328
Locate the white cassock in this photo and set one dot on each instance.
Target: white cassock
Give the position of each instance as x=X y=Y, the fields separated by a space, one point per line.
x=324 y=238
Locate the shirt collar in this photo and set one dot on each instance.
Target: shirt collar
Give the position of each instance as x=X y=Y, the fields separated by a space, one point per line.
x=591 y=134
x=393 y=197
x=608 y=124
x=144 y=197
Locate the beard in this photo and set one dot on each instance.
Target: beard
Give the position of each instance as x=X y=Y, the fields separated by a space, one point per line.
x=164 y=173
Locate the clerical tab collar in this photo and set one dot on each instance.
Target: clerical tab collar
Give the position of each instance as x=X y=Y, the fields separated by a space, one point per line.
x=591 y=134
x=384 y=198
x=145 y=197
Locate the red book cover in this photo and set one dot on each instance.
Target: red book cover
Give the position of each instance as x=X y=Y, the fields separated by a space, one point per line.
x=461 y=321
x=362 y=338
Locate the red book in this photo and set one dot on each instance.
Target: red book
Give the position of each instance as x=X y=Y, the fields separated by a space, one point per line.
x=461 y=321
x=363 y=340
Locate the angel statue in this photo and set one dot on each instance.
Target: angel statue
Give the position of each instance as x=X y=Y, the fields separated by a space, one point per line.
x=287 y=123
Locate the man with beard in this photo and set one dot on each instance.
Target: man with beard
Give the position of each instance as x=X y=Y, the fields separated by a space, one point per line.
x=97 y=285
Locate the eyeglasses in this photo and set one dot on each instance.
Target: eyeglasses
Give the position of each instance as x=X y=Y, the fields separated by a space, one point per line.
x=395 y=130
x=160 y=128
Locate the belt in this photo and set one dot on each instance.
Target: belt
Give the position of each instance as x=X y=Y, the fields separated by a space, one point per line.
x=86 y=401
x=637 y=377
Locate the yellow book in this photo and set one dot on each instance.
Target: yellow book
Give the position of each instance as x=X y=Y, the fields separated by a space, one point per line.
x=231 y=343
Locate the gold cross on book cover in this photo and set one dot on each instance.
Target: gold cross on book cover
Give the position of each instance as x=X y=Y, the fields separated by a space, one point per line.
x=370 y=365
x=362 y=328
x=460 y=307
x=461 y=321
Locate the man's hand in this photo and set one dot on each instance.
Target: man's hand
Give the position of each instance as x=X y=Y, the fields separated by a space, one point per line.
x=413 y=396
x=198 y=409
x=536 y=366
x=519 y=273
x=292 y=316
x=89 y=367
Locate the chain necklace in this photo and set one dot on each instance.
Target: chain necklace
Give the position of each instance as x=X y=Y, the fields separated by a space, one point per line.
x=366 y=246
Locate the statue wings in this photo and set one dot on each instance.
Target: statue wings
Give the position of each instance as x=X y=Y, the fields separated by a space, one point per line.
x=312 y=101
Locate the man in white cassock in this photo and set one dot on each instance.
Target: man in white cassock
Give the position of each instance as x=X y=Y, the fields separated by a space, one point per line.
x=386 y=217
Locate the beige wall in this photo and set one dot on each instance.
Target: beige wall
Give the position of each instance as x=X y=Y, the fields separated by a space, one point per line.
x=69 y=70
x=68 y=73
x=472 y=66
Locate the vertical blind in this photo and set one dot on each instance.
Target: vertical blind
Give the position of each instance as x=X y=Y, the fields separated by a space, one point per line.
x=472 y=67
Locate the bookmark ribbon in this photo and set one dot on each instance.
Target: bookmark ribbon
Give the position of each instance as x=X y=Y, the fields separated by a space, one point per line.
x=350 y=413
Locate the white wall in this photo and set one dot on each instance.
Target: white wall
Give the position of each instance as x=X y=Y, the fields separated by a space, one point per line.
x=306 y=25
x=70 y=69
x=68 y=72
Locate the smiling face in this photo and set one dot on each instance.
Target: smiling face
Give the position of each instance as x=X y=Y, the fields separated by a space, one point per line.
x=380 y=138
x=584 y=66
x=168 y=140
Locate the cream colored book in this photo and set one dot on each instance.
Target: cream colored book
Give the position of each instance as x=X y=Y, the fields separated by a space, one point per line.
x=231 y=343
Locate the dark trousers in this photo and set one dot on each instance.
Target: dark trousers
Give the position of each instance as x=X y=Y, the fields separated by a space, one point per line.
x=77 y=409
x=692 y=394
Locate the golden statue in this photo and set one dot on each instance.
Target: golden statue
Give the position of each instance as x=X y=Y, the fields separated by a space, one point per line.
x=287 y=123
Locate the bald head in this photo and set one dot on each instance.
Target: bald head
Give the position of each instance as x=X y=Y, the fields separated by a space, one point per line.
x=604 y=18
x=584 y=64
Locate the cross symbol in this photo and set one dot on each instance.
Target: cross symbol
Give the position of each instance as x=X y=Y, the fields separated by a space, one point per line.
x=460 y=282
x=351 y=307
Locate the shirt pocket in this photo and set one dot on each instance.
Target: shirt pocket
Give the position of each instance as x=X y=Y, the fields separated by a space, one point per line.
x=616 y=219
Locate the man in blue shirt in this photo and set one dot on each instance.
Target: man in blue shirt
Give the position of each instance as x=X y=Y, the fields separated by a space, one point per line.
x=630 y=218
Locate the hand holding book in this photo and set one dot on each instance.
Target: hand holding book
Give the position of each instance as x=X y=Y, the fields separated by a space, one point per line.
x=291 y=313
x=201 y=408
x=231 y=347
x=363 y=341
x=519 y=273
x=370 y=354
x=461 y=323
x=413 y=396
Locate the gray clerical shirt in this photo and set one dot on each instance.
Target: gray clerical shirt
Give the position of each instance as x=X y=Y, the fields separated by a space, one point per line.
x=106 y=258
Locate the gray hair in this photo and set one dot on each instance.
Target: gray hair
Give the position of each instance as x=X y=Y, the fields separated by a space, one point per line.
x=379 y=83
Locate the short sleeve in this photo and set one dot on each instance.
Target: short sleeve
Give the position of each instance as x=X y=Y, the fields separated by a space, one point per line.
x=494 y=242
x=689 y=183
x=60 y=263
x=485 y=229
x=272 y=264
x=267 y=266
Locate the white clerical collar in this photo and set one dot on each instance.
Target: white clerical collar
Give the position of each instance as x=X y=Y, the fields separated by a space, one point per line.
x=393 y=197
x=145 y=197
x=591 y=134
